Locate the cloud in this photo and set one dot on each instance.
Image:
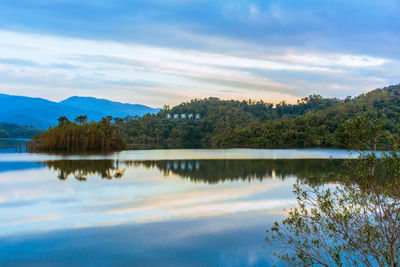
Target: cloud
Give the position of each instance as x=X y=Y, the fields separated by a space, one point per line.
x=58 y=67
x=365 y=27
x=165 y=52
x=18 y=62
x=35 y=219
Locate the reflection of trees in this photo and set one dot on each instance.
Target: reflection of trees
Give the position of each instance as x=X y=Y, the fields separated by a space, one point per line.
x=81 y=169
x=207 y=171
x=214 y=171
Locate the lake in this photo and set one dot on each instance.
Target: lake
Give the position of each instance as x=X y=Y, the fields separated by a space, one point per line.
x=205 y=207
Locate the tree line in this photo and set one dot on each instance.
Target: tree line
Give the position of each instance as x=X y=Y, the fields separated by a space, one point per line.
x=313 y=121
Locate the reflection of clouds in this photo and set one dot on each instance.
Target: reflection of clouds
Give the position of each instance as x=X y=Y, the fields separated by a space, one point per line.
x=215 y=224
x=214 y=209
x=208 y=242
x=33 y=219
x=29 y=185
x=276 y=211
x=190 y=154
x=202 y=203
x=30 y=199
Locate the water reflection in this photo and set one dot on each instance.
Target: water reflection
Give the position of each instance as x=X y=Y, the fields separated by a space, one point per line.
x=12 y=145
x=81 y=169
x=199 y=242
x=205 y=171
x=186 y=154
x=216 y=171
x=34 y=199
x=147 y=213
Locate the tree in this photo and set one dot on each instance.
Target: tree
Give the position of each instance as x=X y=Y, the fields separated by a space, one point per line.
x=81 y=119
x=63 y=120
x=118 y=123
x=354 y=223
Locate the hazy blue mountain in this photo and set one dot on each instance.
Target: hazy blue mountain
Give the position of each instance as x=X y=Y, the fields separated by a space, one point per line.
x=42 y=113
x=110 y=108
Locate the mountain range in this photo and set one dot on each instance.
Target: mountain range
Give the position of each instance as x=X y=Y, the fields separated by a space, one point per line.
x=42 y=113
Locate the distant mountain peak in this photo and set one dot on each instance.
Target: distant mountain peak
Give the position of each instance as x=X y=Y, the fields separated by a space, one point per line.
x=42 y=113
x=89 y=98
x=92 y=99
x=107 y=106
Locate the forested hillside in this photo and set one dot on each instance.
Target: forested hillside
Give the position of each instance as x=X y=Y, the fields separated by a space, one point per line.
x=312 y=122
x=9 y=130
x=320 y=128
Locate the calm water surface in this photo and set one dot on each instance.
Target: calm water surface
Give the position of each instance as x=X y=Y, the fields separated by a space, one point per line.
x=149 y=208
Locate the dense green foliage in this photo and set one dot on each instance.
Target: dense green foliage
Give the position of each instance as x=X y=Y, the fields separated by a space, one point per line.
x=78 y=136
x=9 y=130
x=312 y=122
x=321 y=128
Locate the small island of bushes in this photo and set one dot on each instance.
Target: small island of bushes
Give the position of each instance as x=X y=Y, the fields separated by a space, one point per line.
x=78 y=136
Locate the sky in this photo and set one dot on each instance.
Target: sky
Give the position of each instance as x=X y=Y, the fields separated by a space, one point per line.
x=166 y=52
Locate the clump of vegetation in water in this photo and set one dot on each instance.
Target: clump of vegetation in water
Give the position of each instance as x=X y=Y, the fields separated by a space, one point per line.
x=78 y=136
